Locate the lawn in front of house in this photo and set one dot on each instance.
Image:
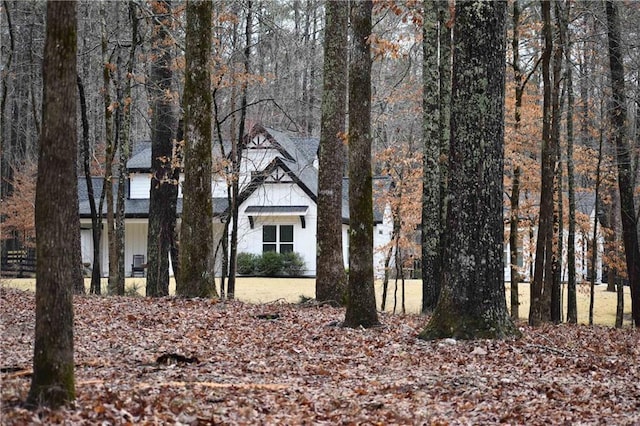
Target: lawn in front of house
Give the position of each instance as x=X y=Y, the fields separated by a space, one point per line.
x=291 y=290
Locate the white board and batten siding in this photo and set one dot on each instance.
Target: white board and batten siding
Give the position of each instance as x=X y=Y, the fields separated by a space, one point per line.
x=281 y=194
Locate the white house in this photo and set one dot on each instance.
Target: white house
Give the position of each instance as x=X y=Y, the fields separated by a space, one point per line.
x=278 y=196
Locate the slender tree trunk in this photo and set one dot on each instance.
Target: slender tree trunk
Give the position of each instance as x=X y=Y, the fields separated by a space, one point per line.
x=432 y=154
x=594 y=239
x=164 y=185
x=361 y=300
x=237 y=155
x=513 y=243
x=540 y=287
x=123 y=118
x=556 y=112
x=58 y=259
x=96 y=214
x=111 y=147
x=331 y=279
x=96 y=221
x=625 y=172
x=472 y=301
x=514 y=220
x=572 y=301
x=197 y=278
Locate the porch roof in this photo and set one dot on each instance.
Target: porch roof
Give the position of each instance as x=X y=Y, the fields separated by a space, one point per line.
x=276 y=210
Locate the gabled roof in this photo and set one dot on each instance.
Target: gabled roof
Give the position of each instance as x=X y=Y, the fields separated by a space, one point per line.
x=278 y=163
x=296 y=157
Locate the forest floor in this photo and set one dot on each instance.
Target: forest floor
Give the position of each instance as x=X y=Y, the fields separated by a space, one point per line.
x=176 y=361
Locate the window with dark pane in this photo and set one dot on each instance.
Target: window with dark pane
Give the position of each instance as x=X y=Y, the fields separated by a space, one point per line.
x=269 y=234
x=286 y=233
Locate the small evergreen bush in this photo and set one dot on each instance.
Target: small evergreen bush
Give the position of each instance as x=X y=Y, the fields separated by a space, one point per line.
x=293 y=264
x=270 y=264
x=247 y=263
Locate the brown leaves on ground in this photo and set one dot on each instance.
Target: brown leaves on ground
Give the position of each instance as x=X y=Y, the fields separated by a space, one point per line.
x=286 y=364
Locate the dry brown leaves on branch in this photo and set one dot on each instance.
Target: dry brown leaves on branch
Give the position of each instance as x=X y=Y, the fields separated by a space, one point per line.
x=236 y=363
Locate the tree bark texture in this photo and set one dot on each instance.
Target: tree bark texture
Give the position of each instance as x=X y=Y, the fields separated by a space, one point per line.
x=58 y=264
x=572 y=301
x=96 y=220
x=472 y=300
x=625 y=171
x=361 y=300
x=556 y=113
x=540 y=308
x=123 y=126
x=331 y=280
x=196 y=232
x=236 y=155
x=431 y=207
x=110 y=150
x=164 y=174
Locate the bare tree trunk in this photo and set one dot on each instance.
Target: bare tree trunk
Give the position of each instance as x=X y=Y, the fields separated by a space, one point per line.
x=472 y=300
x=330 y=274
x=432 y=154
x=237 y=156
x=111 y=148
x=540 y=287
x=123 y=120
x=513 y=243
x=625 y=172
x=572 y=302
x=197 y=278
x=96 y=220
x=164 y=184
x=594 y=239
x=361 y=300
x=58 y=264
x=556 y=112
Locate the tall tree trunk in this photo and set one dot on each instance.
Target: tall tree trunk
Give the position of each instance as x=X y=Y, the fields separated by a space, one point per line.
x=123 y=120
x=572 y=301
x=472 y=300
x=237 y=159
x=514 y=218
x=164 y=184
x=432 y=154
x=556 y=112
x=111 y=148
x=513 y=244
x=58 y=264
x=96 y=219
x=331 y=279
x=594 y=237
x=361 y=299
x=625 y=171
x=196 y=238
x=540 y=287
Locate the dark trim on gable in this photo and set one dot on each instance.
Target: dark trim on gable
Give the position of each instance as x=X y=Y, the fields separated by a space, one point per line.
x=259 y=179
x=257 y=130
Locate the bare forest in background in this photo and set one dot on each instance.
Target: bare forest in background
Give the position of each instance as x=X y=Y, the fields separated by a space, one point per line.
x=266 y=67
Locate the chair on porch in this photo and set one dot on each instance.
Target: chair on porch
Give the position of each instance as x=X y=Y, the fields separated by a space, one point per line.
x=138 y=266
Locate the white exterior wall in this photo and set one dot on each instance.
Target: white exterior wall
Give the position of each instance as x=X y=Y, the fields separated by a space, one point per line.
x=86 y=245
x=135 y=243
x=281 y=194
x=139 y=186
